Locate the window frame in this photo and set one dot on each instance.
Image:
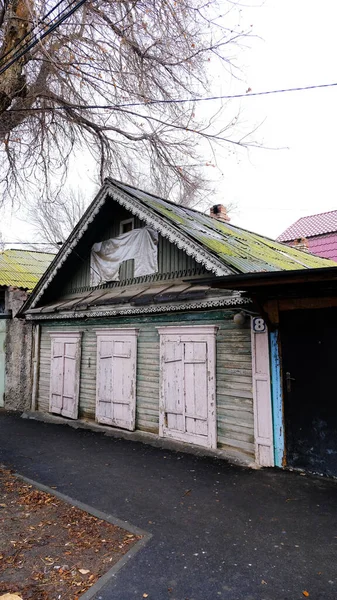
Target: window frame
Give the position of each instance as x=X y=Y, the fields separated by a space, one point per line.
x=126 y=222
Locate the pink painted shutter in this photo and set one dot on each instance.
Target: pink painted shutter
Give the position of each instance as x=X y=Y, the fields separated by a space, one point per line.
x=123 y=385
x=196 y=389
x=65 y=374
x=173 y=385
x=116 y=379
x=263 y=422
x=70 y=380
x=187 y=407
x=104 y=407
x=56 y=377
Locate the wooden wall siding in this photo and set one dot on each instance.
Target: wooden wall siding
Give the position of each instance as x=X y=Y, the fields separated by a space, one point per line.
x=170 y=258
x=235 y=421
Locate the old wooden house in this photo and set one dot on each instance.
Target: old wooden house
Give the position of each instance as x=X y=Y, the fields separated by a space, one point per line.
x=124 y=338
x=20 y=270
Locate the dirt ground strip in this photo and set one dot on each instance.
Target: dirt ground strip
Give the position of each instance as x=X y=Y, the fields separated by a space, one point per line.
x=50 y=550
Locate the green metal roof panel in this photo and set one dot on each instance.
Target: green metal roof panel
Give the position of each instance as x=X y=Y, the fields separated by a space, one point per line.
x=23 y=268
x=244 y=251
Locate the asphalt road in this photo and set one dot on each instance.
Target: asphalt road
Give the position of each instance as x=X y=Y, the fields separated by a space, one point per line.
x=219 y=532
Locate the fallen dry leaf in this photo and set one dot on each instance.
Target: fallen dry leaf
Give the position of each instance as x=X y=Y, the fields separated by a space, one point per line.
x=306 y=594
x=41 y=534
x=145 y=595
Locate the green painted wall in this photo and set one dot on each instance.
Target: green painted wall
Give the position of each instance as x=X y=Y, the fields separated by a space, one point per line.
x=233 y=377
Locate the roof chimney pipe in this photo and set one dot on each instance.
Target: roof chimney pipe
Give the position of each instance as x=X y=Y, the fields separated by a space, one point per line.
x=218 y=211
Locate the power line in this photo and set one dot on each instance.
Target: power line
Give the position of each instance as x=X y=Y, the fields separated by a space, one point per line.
x=172 y=101
x=41 y=36
x=39 y=22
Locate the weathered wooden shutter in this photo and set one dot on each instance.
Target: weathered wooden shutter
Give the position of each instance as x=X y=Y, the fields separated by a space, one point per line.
x=116 y=377
x=65 y=374
x=173 y=384
x=187 y=399
x=263 y=421
x=196 y=387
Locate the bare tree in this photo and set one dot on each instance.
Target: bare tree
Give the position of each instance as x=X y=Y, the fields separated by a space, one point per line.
x=52 y=221
x=135 y=56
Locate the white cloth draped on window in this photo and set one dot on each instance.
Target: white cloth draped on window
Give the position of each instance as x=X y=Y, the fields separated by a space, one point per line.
x=107 y=257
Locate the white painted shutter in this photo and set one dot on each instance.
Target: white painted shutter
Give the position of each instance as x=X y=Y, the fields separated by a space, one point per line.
x=196 y=388
x=263 y=421
x=65 y=374
x=173 y=385
x=187 y=399
x=116 y=377
x=56 y=376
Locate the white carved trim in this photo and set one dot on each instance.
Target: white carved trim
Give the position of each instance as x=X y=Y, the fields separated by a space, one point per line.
x=158 y=222
x=114 y=312
x=75 y=335
x=119 y=331
x=188 y=329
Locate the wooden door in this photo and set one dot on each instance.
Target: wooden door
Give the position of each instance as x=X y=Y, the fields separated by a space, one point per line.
x=187 y=400
x=308 y=344
x=116 y=377
x=65 y=374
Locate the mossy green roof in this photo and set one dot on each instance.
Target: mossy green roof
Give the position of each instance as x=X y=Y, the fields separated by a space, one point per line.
x=241 y=250
x=23 y=268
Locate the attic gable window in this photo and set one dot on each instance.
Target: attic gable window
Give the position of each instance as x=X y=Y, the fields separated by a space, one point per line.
x=139 y=245
x=126 y=226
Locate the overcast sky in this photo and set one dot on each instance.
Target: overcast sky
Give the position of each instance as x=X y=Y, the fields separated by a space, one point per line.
x=299 y=48
x=273 y=188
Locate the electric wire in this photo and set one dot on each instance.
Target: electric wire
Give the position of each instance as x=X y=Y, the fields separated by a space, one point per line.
x=40 y=22
x=170 y=101
x=38 y=38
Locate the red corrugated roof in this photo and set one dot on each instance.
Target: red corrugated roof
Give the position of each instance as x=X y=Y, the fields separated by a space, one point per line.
x=310 y=226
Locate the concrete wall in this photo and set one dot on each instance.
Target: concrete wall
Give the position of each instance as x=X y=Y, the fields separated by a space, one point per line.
x=19 y=340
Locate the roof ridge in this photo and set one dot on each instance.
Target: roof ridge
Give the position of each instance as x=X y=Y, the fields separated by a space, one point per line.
x=117 y=182
x=26 y=250
x=212 y=219
x=326 y=212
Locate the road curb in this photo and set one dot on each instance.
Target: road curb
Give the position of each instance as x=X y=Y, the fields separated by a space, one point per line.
x=102 y=581
x=236 y=458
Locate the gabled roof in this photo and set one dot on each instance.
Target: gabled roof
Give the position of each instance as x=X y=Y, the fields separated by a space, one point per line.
x=23 y=268
x=240 y=250
x=222 y=248
x=309 y=226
